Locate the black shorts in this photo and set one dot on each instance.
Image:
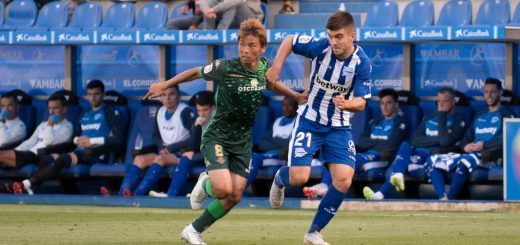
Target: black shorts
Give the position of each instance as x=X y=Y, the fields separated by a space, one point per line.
x=25 y=157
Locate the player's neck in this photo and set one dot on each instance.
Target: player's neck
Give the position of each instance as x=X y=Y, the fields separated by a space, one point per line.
x=250 y=66
x=347 y=54
x=494 y=107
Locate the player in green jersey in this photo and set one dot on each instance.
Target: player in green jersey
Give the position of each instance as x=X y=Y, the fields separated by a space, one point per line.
x=226 y=140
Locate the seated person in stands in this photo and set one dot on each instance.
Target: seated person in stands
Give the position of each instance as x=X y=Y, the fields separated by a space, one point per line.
x=205 y=105
x=12 y=129
x=189 y=22
x=438 y=133
x=483 y=139
x=377 y=144
x=229 y=13
x=56 y=130
x=101 y=133
x=173 y=128
x=275 y=144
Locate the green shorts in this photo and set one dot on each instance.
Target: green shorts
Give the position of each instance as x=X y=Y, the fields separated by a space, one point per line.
x=236 y=158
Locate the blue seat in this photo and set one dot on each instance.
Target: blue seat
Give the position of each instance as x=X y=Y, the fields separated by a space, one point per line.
x=305 y=21
x=26 y=111
x=263 y=122
x=383 y=14
x=265 y=9
x=412 y=113
x=20 y=13
x=86 y=15
x=152 y=15
x=1 y=14
x=494 y=12
x=24 y=172
x=418 y=13
x=359 y=122
x=176 y=12
x=119 y=16
x=52 y=15
x=512 y=101
x=516 y=16
x=455 y=13
x=78 y=171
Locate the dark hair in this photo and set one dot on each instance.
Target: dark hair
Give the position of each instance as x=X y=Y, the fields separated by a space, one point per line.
x=448 y=90
x=389 y=92
x=10 y=96
x=492 y=80
x=96 y=84
x=340 y=20
x=255 y=28
x=60 y=97
x=204 y=98
x=176 y=87
x=291 y=101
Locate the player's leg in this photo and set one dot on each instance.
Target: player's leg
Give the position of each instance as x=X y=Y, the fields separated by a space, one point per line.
x=153 y=174
x=8 y=158
x=465 y=166
x=48 y=167
x=256 y=163
x=320 y=189
x=134 y=172
x=180 y=176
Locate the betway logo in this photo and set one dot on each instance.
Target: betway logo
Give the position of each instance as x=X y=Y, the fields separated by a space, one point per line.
x=202 y=37
x=378 y=137
x=94 y=126
x=432 y=132
x=32 y=37
x=159 y=37
x=332 y=86
x=376 y=34
x=116 y=37
x=485 y=130
x=426 y=34
x=72 y=37
x=470 y=33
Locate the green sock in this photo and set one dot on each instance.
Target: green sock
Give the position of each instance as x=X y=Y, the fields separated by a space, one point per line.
x=214 y=212
x=207 y=187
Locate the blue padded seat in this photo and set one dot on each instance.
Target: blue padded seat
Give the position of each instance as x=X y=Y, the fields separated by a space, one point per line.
x=20 y=13
x=86 y=15
x=494 y=12
x=418 y=13
x=153 y=15
x=455 y=13
x=384 y=13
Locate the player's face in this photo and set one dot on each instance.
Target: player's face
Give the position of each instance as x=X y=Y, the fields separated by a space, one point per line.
x=342 y=41
x=250 y=49
x=55 y=107
x=445 y=102
x=288 y=108
x=11 y=106
x=388 y=106
x=95 y=97
x=491 y=94
x=170 y=99
x=205 y=111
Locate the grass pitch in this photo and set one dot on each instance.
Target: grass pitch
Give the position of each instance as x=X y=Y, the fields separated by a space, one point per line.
x=40 y=224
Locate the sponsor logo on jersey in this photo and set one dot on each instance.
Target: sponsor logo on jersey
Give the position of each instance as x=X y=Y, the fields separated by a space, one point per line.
x=430 y=132
x=491 y=130
x=254 y=87
x=332 y=86
x=378 y=137
x=94 y=126
x=208 y=68
x=304 y=39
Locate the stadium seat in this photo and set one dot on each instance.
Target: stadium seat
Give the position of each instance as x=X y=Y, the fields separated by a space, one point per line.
x=409 y=105
x=20 y=13
x=1 y=14
x=493 y=12
x=383 y=14
x=119 y=16
x=305 y=21
x=176 y=12
x=52 y=15
x=24 y=172
x=418 y=13
x=263 y=121
x=462 y=105
x=510 y=99
x=86 y=15
x=152 y=15
x=27 y=112
x=359 y=122
x=119 y=103
x=455 y=13
x=352 y=6
x=265 y=9
x=516 y=16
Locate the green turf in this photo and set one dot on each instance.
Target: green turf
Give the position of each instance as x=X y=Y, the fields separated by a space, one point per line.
x=38 y=224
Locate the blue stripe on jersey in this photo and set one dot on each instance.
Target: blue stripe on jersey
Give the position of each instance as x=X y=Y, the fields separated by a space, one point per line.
x=331 y=108
x=342 y=79
x=316 y=67
x=317 y=102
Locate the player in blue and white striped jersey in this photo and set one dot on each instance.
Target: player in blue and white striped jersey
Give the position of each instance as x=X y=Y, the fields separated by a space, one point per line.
x=339 y=86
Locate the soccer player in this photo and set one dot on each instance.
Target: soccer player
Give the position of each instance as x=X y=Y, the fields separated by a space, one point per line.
x=484 y=134
x=340 y=85
x=378 y=143
x=12 y=129
x=226 y=140
x=101 y=133
x=438 y=133
x=173 y=128
x=56 y=130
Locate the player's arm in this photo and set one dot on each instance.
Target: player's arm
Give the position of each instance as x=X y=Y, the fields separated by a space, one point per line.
x=356 y=104
x=362 y=89
x=156 y=89
x=281 y=89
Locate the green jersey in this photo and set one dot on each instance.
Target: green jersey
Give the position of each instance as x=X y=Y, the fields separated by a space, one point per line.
x=238 y=95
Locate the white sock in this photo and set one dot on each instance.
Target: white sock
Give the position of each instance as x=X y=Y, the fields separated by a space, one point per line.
x=379 y=196
x=27 y=187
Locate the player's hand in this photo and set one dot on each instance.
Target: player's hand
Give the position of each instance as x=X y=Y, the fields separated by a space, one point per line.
x=156 y=90
x=302 y=98
x=339 y=101
x=479 y=146
x=188 y=154
x=210 y=13
x=200 y=121
x=469 y=147
x=83 y=142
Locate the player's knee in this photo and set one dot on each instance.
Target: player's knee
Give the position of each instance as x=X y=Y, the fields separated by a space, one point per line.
x=297 y=180
x=235 y=198
x=222 y=192
x=139 y=162
x=160 y=160
x=343 y=183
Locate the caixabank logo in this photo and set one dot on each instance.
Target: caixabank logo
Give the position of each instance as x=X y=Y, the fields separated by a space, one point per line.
x=159 y=37
x=427 y=33
x=393 y=34
x=280 y=35
x=462 y=33
x=4 y=37
x=116 y=37
x=202 y=37
x=32 y=37
x=74 y=37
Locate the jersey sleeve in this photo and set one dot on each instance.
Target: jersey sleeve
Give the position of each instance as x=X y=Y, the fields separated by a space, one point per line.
x=214 y=71
x=308 y=46
x=362 y=79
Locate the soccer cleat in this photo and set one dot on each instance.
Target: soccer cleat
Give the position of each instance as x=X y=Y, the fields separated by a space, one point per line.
x=157 y=194
x=314 y=238
x=397 y=180
x=198 y=194
x=191 y=236
x=127 y=192
x=276 y=194
x=104 y=191
x=315 y=191
x=17 y=188
x=371 y=195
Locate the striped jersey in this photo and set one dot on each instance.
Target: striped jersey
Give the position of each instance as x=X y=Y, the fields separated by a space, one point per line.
x=330 y=77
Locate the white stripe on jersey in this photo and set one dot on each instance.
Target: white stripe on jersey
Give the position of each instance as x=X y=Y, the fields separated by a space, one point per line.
x=291 y=142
